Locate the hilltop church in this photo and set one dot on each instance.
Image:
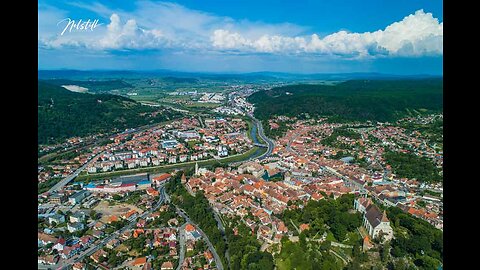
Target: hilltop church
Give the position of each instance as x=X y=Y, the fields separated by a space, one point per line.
x=375 y=222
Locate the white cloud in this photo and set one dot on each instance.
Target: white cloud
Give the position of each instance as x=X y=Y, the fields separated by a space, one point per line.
x=417 y=34
x=160 y=25
x=130 y=36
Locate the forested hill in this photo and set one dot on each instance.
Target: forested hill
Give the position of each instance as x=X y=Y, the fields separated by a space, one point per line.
x=63 y=114
x=376 y=100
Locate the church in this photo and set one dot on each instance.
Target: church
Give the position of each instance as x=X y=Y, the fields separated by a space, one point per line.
x=375 y=222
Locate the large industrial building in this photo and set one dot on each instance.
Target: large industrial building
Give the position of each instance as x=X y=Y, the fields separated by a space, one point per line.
x=122 y=184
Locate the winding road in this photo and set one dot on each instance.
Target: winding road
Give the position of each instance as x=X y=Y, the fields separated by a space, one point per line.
x=218 y=261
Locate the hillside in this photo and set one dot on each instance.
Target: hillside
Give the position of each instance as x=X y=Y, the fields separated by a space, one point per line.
x=376 y=100
x=63 y=114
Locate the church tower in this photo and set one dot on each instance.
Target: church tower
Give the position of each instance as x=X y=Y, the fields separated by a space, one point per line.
x=183 y=179
x=196 y=168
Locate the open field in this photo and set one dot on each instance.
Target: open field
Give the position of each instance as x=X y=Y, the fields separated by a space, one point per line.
x=118 y=210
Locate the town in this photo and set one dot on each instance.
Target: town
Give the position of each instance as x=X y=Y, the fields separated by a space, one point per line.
x=129 y=221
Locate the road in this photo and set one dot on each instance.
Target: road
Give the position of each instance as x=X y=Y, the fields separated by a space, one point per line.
x=221 y=228
x=268 y=141
x=72 y=176
x=181 y=236
x=218 y=261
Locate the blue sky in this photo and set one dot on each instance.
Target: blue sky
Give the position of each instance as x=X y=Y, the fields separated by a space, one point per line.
x=397 y=37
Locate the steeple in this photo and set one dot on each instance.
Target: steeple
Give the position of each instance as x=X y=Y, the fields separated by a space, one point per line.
x=183 y=180
x=196 y=168
x=384 y=217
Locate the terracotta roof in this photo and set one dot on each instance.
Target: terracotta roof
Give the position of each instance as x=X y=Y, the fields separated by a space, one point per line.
x=139 y=261
x=189 y=228
x=167 y=265
x=162 y=177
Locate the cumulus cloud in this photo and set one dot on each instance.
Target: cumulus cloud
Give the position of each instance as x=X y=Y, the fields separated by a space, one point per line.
x=116 y=36
x=417 y=34
x=130 y=36
x=160 y=25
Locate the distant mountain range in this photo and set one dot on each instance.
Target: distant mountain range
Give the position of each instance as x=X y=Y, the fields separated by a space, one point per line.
x=192 y=76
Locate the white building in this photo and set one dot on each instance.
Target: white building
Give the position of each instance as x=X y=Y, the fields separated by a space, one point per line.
x=377 y=223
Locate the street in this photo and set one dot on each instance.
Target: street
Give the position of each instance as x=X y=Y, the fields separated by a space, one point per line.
x=218 y=261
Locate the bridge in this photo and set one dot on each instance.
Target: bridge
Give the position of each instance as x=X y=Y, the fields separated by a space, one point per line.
x=261 y=145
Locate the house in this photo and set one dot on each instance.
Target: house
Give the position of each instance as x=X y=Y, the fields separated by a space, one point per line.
x=45 y=239
x=208 y=256
x=138 y=263
x=147 y=266
x=112 y=243
x=96 y=257
x=152 y=192
x=141 y=223
x=57 y=218
x=377 y=223
x=75 y=227
x=77 y=217
x=304 y=226
x=78 y=266
x=86 y=239
x=130 y=215
x=59 y=245
x=190 y=246
x=97 y=233
x=48 y=259
x=99 y=225
x=367 y=244
x=112 y=219
x=68 y=252
x=191 y=233
x=167 y=266
x=78 y=197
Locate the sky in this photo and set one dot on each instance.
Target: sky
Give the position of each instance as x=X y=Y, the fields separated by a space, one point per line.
x=302 y=36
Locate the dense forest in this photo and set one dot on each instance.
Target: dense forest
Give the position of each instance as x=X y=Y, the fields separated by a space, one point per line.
x=376 y=100
x=325 y=216
x=63 y=114
x=411 y=166
x=415 y=238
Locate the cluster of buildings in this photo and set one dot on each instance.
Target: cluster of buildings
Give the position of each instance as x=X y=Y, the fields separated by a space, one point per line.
x=185 y=140
x=121 y=184
x=248 y=193
x=301 y=152
x=70 y=223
